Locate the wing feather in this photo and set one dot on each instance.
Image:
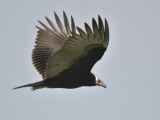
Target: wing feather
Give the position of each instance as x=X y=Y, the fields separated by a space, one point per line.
x=81 y=51
x=82 y=33
x=48 y=42
x=73 y=25
x=59 y=23
x=95 y=29
x=66 y=23
x=45 y=26
x=89 y=32
x=101 y=27
x=52 y=25
x=106 y=35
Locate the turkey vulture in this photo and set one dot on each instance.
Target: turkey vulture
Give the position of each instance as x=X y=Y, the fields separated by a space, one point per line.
x=64 y=57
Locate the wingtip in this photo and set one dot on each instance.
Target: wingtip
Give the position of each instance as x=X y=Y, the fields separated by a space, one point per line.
x=99 y=17
x=37 y=27
x=100 y=21
x=106 y=30
x=85 y=24
x=93 y=21
x=77 y=28
x=46 y=18
x=55 y=14
x=73 y=25
x=64 y=12
x=106 y=24
x=39 y=21
x=71 y=17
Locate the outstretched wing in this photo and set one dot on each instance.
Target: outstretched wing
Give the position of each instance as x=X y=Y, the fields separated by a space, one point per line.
x=81 y=51
x=49 y=41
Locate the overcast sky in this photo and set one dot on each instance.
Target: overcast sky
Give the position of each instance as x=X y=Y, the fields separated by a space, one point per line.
x=130 y=67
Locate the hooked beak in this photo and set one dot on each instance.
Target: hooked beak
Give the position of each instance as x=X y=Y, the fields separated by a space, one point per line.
x=100 y=83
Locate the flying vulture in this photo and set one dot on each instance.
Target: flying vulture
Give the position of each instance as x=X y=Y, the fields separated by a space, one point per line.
x=64 y=58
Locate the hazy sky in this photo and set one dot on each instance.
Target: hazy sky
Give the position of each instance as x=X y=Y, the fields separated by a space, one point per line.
x=130 y=67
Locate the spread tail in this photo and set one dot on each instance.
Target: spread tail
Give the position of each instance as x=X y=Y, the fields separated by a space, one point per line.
x=34 y=86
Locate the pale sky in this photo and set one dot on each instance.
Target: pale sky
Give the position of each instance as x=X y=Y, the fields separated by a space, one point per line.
x=130 y=67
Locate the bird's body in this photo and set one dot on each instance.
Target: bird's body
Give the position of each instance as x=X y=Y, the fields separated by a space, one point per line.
x=65 y=58
x=71 y=81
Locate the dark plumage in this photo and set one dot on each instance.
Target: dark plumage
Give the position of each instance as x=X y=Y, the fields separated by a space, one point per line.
x=65 y=58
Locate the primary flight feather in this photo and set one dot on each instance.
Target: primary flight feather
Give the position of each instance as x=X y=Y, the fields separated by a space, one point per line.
x=65 y=58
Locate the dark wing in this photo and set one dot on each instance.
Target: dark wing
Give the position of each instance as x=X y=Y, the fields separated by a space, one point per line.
x=49 y=41
x=80 y=52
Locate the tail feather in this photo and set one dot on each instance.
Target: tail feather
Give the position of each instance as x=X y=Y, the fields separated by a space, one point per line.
x=34 y=86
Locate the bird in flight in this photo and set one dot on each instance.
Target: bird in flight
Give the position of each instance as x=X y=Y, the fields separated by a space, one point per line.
x=64 y=58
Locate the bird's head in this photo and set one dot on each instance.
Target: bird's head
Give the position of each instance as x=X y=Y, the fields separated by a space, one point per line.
x=99 y=82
